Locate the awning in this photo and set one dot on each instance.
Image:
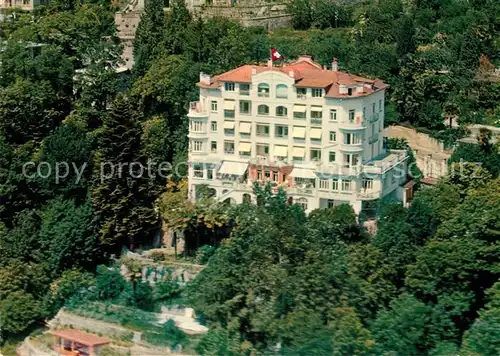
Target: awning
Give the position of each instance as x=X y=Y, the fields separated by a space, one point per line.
x=280 y=151
x=316 y=108
x=299 y=152
x=244 y=147
x=245 y=127
x=315 y=133
x=299 y=108
x=229 y=125
x=302 y=173
x=299 y=132
x=228 y=104
x=233 y=168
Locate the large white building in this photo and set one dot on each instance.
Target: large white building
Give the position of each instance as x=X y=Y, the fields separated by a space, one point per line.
x=316 y=132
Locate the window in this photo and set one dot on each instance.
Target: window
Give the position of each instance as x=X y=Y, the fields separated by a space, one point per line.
x=333 y=115
x=263 y=110
x=380 y=105
x=335 y=184
x=245 y=128
x=214 y=106
x=346 y=185
x=197 y=146
x=196 y=126
x=317 y=93
x=229 y=147
x=198 y=170
x=281 y=91
x=364 y=113
x=315 y=154
x=367 y=183
x=229 y=86
x=316 y=112
x=331 y=157
x=213 y=126
x=352 y=139
x=299 y=111
x=331 y=203
x=245 y=89
x=245 y=148
x=263 y=90
x=228 y=127
x=262 y=149
x=301 y=92
x=213 y=146
x=259 y=175
x=281 y=111
x=281 y=131
x=275 y=176
x=324 y=184
x=245 y=106
x=373 y=108
x=333 y=136
x=351 y=116
x=302 y=202
x=262 y=130
x=349 y=91
x=351 y=160
x=229 y=108
x=210 y=173
x=267 y=174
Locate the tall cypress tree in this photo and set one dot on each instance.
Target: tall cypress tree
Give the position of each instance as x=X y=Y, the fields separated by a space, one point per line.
x=148 y=36
x=122 y=196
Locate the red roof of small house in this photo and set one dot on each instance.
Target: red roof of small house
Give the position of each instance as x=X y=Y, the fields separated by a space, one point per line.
x=80 y=337
x=307 y=74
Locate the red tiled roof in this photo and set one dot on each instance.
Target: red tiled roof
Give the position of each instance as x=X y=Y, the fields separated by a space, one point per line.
x=306 y=74
x=80 y=337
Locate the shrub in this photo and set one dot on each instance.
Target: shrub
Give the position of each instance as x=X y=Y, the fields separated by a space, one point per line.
x=141 y=298
x=204 y=253
x=166 y=288
x=157 y=255
x=170 y=335
x=109 y=282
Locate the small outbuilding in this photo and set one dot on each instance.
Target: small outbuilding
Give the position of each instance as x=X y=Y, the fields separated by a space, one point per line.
x=73 y=342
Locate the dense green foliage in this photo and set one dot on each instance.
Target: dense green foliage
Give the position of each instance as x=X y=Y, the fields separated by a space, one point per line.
x=316 y=285
x=305 y=284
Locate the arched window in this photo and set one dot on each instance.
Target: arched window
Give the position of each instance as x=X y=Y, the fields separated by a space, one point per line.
x=302 y=202
x=281 y=111
x=263 y=110
x=263 y=90
x=281 y=91
x=246 y=198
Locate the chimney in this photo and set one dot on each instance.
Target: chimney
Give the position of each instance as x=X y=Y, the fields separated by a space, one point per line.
x=205 y=78
x=335 y=65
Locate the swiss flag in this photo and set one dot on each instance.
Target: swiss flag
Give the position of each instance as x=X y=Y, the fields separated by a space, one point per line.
x=275 y=55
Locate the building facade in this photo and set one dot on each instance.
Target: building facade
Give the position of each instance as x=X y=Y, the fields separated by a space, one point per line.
x=317 y=133
x=27 y=5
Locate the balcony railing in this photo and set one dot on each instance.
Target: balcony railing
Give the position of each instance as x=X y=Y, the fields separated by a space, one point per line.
x=196 y=109
x=245 y=92
x=263 y=94
x=374 y=117
x=316 y=121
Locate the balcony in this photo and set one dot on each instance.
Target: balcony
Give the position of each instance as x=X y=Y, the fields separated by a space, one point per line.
x=337 y=169
x=196 y=110
x=358 y=147
x=374 y=118
x=302 y=190
x=245 y=92
x=357 y=124
x=368 y=194
x=316 y=121
x=385 y=163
